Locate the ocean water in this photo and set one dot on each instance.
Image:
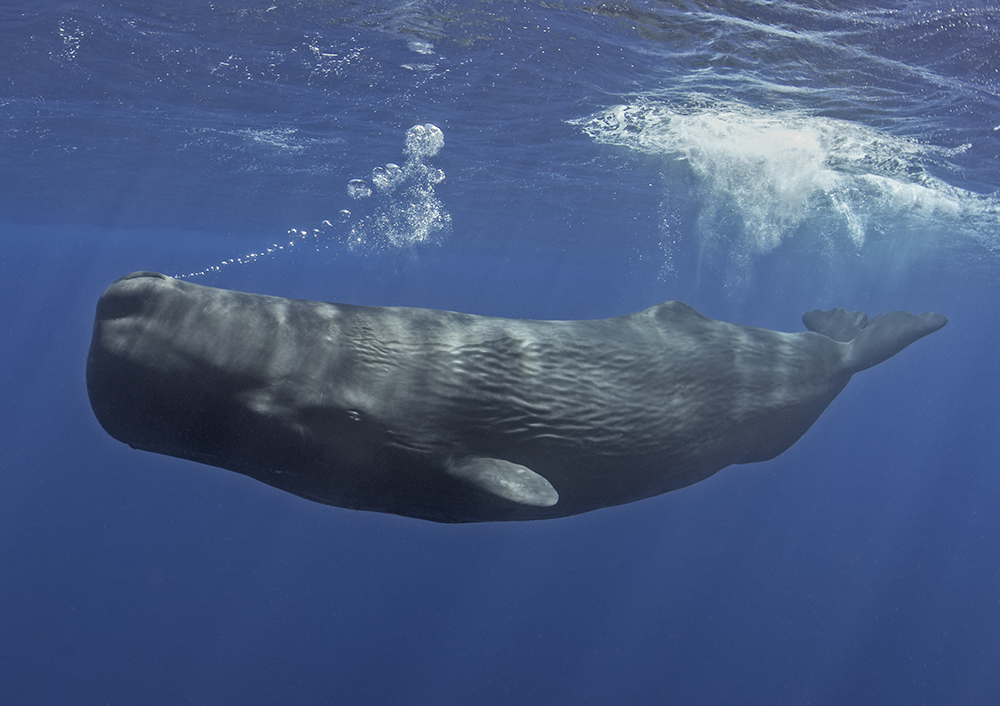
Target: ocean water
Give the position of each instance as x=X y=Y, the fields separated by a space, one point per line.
x=533 y=160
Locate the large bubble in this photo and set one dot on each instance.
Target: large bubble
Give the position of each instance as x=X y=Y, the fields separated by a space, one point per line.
x=423 y=141
x=358 y=189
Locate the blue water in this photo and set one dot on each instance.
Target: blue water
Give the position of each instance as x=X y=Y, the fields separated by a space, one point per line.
x=551 y=160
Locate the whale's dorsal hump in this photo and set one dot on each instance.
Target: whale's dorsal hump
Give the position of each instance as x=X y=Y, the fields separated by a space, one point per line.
x=507 y=480
x=670 y=312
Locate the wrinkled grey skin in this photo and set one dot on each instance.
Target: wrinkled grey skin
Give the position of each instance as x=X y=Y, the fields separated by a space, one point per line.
x=459 y=418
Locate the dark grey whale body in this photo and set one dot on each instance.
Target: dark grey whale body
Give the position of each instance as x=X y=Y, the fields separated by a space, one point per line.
x=459 y=418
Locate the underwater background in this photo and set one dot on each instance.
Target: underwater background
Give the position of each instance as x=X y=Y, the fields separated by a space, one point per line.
x=548 y=160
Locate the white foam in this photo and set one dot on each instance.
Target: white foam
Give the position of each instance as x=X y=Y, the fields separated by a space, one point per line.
x=765 y=176
x=420 y=46
x=284 y=139
x=251 y=149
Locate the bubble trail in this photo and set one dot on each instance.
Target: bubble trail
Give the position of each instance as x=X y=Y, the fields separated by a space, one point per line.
x=407 y=211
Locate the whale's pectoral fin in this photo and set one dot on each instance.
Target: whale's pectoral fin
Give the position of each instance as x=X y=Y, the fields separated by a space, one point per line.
x=505 y=479
x=872 y=341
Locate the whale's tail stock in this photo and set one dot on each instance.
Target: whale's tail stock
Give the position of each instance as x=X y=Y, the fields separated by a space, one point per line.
x=872 y=341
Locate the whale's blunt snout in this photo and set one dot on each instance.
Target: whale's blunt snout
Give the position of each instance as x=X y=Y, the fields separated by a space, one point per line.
x=140 y=275
x=128 y=295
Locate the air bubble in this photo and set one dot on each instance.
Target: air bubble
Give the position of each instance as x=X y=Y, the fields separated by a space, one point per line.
x=386 y=178
x=358 y=189
x=423 y=141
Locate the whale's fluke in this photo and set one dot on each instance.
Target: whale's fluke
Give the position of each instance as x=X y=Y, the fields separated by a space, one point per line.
x=874 y=341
